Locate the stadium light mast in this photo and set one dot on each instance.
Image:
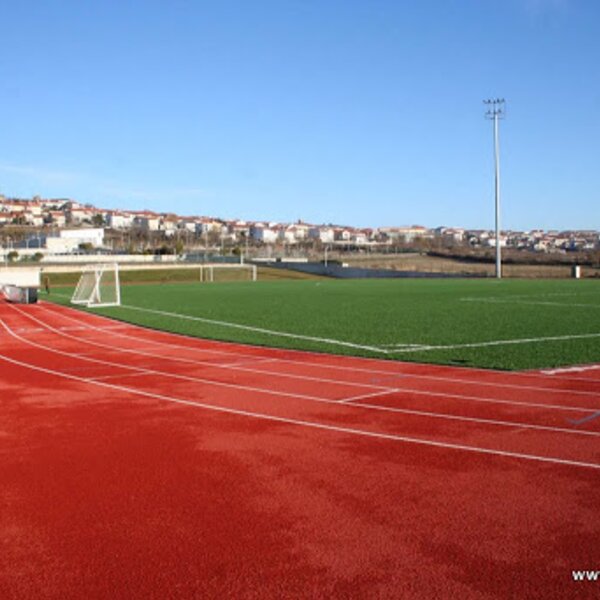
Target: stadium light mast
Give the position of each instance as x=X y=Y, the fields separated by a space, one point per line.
x=496 y=111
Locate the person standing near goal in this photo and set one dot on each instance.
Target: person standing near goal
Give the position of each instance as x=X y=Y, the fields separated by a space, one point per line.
x=46 y=282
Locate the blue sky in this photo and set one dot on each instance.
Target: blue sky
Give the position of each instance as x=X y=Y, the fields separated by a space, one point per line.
x=357 y=112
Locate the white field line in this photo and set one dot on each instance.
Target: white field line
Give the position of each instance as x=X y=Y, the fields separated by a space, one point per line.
x=341 y=367
x=354 y=399
x=533 y=296
x=385 y=389
x=539 y=295
x=405 y=346
x=530 y=302
x=575 y=369
x=304 y=423
x=500 y=342
x=531 y=374
x=570 y=378
x=383 y=349
x=410 y=348
x=297 y=336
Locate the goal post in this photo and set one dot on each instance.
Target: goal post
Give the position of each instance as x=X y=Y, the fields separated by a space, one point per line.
x=98 y=286
x=228 y=272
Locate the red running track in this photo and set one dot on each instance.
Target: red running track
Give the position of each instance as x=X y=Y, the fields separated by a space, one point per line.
x=141 y=464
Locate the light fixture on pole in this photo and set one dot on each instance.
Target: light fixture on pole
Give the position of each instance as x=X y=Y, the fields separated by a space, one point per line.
x=496 y=111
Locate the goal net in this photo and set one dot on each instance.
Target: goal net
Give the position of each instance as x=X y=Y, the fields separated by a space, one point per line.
x=228 y=272
x=98 y=286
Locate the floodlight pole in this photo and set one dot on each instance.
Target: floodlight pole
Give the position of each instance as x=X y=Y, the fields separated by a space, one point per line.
x=495 y=112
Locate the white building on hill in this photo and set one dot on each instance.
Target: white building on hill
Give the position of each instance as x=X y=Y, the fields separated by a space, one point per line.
x=69 y=240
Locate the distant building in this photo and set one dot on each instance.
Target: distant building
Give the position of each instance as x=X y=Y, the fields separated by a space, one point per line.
x=323 y=233
x=147 y=222
x=69 y=240
x=119 y=220
x=261 y=233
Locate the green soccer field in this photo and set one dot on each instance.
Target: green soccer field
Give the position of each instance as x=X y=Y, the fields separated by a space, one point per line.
x=508 y=324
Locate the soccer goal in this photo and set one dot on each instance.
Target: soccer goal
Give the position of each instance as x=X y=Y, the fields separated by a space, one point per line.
x=98 y=286
x=228 y=272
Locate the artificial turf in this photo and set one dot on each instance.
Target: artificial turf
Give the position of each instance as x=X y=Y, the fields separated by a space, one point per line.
x=381 y=314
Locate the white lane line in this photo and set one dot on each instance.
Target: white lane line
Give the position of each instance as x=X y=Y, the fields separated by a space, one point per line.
x=454 y=380
x=311 y=424
x=233 y=366
x=157 y=372
x=365 y=396
x=241 y=363
x=511 y=424
x=494 y=422
x=443 y=395
x=74 y=328
x=121 y=375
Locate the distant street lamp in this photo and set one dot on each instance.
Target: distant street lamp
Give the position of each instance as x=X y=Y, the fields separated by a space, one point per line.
x=6 y=249
x=496 y=110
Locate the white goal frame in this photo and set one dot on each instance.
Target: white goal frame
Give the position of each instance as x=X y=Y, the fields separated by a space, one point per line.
x=89 y=287
x=207 y=272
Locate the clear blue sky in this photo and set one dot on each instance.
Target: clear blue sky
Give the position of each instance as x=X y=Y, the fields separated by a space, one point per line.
x=357 y=112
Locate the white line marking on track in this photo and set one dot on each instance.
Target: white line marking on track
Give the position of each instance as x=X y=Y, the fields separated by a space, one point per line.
x=311 y=424
x=246 y=362
x=197 y=362
x=365 y=396
x=320 y=365
x=511 y=424
x=398 y=389
x=517 y=426
x=233 y=366
x=73 y=328
x=128 y=375
x=160 y=373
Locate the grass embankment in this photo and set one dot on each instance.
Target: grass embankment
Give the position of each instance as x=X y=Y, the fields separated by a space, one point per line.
x=129 y=276
x=459 y=322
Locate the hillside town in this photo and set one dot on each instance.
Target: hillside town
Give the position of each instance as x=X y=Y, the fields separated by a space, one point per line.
x=39 y=226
